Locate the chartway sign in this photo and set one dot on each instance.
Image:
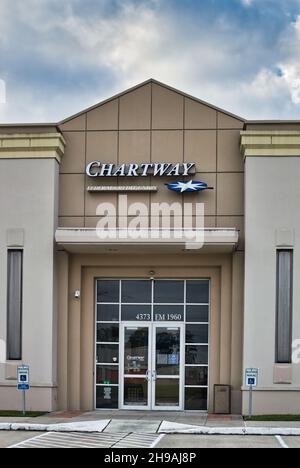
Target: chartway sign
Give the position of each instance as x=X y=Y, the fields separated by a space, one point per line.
x=98 y=169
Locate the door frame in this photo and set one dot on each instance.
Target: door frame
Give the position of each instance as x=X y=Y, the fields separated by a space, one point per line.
x=152 y=326
x=181 y=327
x=122 y=375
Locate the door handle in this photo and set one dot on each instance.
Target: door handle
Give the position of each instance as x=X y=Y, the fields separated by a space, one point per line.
x=147 y=379
x=154 y=375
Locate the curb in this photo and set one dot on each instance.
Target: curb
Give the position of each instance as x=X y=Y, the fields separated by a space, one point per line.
x=238 y=431
x=201 y=430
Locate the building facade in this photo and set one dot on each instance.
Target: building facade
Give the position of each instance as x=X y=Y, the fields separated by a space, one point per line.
x=153 y=320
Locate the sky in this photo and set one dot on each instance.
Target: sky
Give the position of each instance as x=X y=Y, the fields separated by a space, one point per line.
x=58 y=57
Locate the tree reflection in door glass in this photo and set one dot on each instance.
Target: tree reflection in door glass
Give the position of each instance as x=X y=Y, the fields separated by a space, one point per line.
x=136 y=351
x=167 y=351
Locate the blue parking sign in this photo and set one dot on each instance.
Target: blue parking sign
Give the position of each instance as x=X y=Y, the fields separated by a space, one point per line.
x=23 y=387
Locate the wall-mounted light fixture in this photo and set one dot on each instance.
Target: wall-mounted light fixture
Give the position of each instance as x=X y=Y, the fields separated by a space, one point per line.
x=77 y=294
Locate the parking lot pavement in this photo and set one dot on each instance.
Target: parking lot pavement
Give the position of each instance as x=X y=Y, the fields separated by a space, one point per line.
x=196 y=441
x=8 y=438
x=174 y=441
x=292 y=442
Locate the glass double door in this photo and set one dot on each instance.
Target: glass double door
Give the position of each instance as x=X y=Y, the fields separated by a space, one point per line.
x=151 y=366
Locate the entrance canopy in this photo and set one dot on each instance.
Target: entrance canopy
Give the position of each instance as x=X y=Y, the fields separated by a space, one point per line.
x=89 y=240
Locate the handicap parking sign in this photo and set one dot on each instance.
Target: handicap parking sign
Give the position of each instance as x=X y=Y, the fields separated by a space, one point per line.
x=251 y=377
x=23 y=378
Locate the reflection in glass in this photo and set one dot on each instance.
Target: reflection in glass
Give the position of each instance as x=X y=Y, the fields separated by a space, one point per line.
x=167 y=392
x=171 y=292
x=107 y=375
x=107 y=332
x=136 y=313
x=136 y=291
x=196 y=334
x=167 y=351
x=136 y=351
x=196 y=376
x=196 y=354
x=107 y=312
x=108 y=353
x=195 y=399
x=197 y=292
x=198 y=313
x=107 y=397
x=135 y=392
x=108 y=291
x=168 y=313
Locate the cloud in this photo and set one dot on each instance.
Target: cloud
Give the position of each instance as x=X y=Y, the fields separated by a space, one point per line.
x=290 y=69
x=247 y=2
x=2 y=92
x=60 y=57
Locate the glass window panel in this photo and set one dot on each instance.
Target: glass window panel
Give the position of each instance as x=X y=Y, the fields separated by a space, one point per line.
x=168 y=313
x=284 y=322
x=107 y=397
x=196 y=334
x=171 y=292
x=14 y=304
x=135 y=392
x=136 y=313
x=196 y=354
x=167 y=392
x=136 y=291
x=195 y=399
x=196 y=376
x=136 y=351
x=107 y=375
x=107 y=312
x=167 y=351
x=107 y=332
x=197 y=313
x=197 y=292
x=108 y=353
x=108 y=291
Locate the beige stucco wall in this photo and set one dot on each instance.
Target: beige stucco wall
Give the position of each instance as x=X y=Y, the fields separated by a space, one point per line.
x=272 y=222
x=28 y=213
x=77 y=327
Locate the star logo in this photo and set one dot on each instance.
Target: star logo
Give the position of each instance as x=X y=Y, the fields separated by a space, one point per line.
x=191 y=186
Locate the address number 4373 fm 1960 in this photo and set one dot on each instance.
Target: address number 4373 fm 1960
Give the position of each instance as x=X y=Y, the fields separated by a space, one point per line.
x=159 y=317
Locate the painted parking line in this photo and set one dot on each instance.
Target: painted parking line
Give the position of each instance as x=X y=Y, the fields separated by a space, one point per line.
x=71 y=440
x=94 y=440
x=139 y=441
x=281 y=442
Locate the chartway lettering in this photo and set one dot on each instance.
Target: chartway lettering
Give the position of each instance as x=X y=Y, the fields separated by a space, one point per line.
x=98 y=169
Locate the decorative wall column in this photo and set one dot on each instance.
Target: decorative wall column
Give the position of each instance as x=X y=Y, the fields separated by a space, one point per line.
x=29 y=173
x=272 y=194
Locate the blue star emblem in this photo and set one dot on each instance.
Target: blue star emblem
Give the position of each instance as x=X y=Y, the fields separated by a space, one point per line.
x=191 y=186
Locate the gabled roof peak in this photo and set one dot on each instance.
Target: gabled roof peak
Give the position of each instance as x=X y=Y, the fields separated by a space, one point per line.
x=145 y=83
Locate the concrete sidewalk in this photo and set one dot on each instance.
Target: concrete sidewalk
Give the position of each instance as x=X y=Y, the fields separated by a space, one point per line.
x=148 y=422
